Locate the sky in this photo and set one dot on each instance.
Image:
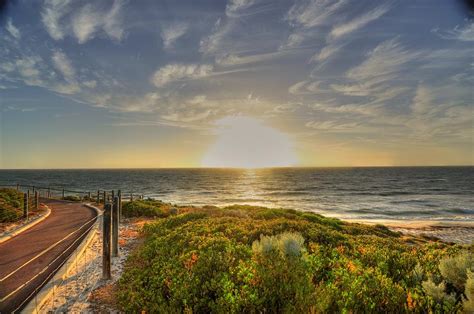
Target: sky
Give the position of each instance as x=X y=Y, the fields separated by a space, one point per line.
x=121 y=83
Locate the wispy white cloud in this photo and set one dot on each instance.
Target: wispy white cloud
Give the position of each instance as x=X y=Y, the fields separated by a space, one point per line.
x=61 y=19
x=422 y=100
x=113 y=24
x=179 y=72
x=171 y=33
x=326 y=53
x=358 y=22
x=305 y=16
x=234 y=59
x=85 y=23
x=465 y=33
x=52 y=14
x=385 y=59
x=233 y=7
x=62 y=63
x=12 y=29
x=307 y=88
x=333 y=126
x=90 y=83
x=311 y=13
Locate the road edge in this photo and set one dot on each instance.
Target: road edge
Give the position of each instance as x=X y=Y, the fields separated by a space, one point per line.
x=25 y=227
x=35 y=304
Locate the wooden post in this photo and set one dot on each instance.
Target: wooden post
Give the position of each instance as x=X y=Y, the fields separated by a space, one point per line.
x=25 y=205
x=120 y=205
x=33 y=189
x=106 y=242
x=17 y=187
x=98 y=196
x=36 y=200
x=115 y=227
x=131 y=197
x=89 y=195
x=105 y=197
x=63 y=194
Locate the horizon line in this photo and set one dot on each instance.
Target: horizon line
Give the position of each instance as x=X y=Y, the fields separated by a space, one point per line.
x=236 y=168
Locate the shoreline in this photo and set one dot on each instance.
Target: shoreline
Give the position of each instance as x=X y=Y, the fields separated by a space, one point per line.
x=446 y=231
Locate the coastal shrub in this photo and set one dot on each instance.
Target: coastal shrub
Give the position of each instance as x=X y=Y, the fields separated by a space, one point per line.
x=146 y=208
x=468 y=305
x=254 y=259
x=11 y=204
x=72 y=198
x=454 y=269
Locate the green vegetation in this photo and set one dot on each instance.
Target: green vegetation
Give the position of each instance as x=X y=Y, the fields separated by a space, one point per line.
x=11 y=204
x=254 y=259
x=72 y=198
x=146 y=208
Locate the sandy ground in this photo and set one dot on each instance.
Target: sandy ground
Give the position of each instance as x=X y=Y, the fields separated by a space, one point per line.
x=83 y=290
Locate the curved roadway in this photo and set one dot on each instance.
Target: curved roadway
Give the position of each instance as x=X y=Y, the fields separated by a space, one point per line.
x=24 y=256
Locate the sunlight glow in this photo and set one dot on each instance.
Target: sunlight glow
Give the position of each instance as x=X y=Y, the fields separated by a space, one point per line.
x=245 y=142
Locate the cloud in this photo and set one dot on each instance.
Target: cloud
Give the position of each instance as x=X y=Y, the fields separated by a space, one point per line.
x=325 y=53
x=305 y=16
x=311 y=13
x=113 y=21
x=15 y=32
x=385 y=59
x=359 y=22
x=422 y=100
x=87 y=22
x=90 y=84
x=173 y=32
x=51 y=16
x=307 y=88
x=179 y=72
x=234 y=59
x=333 y=126
x=233 y=7
x=465 y=33
x=84 y=23
x=62 y=63
x=211 y=44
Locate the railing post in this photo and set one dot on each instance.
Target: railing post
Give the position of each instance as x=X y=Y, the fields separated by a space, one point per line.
x=89 y=195
x=25 y=205
x=106 y=242
x=36 y=200
x=33 y=189
x=131 y=197
x=98 y=196
x=120 y=205
x=115 y=227
x=105 y=197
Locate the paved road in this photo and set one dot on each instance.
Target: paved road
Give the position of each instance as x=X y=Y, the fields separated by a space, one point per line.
x=65 y=218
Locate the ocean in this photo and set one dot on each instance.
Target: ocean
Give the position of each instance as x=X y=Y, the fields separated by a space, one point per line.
x=441 y=194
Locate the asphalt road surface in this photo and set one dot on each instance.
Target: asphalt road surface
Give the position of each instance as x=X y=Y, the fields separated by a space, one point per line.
x=25 y=256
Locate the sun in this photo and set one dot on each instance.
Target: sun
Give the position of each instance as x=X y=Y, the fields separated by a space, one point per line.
x=245 y=142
